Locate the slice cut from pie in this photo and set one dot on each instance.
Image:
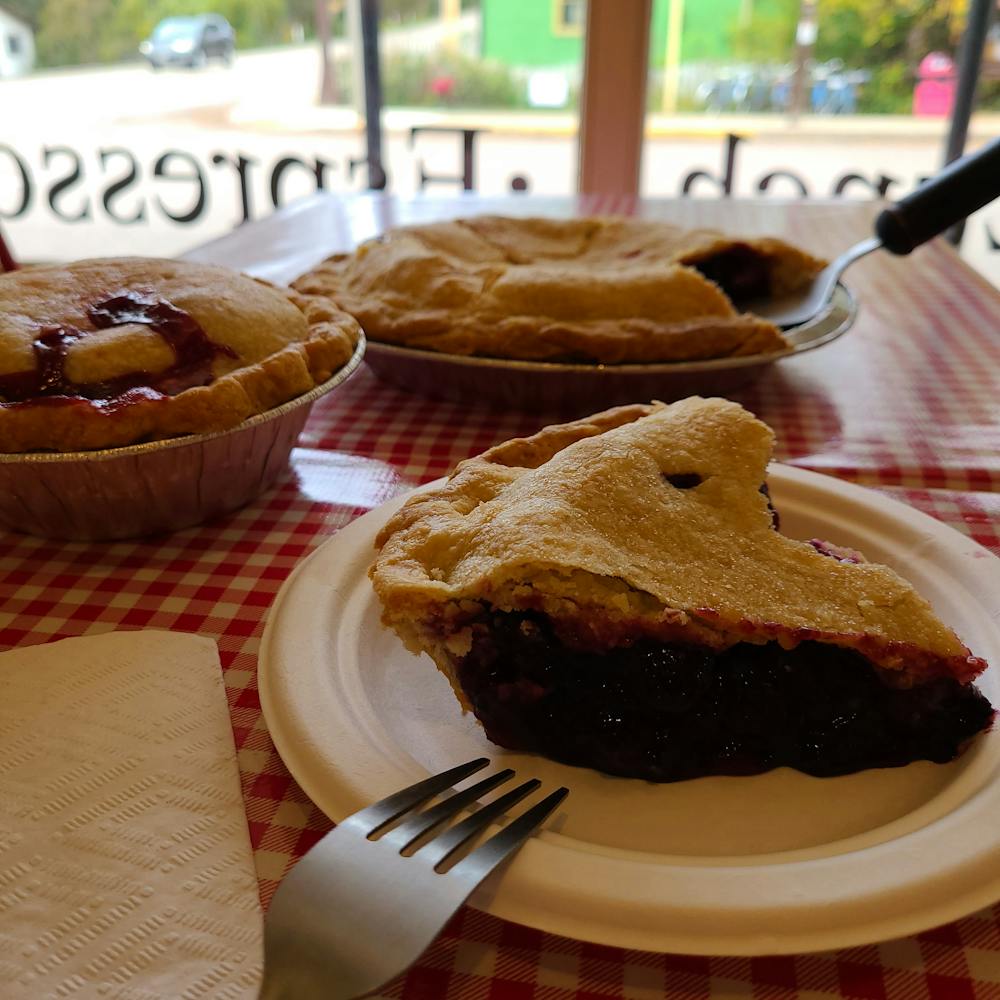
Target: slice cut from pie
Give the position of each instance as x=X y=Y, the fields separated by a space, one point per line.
x=613 y=593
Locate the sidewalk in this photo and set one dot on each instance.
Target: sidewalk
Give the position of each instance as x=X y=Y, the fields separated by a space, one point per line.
x=295 y=119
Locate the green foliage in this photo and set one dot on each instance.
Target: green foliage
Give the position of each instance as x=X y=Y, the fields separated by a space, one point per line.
x=862 y=31
x=768 y=35
x=75 y=32
x=859 y=32
x=988 y=97
x=301 y=12
x=890 y=38
x=69 y=32
x=408 y=81
x=888 y=92
x=27 y=10
x=407 y=11
x=401 y=11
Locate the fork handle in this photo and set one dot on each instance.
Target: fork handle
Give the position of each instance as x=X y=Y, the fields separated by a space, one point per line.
x=960 y=189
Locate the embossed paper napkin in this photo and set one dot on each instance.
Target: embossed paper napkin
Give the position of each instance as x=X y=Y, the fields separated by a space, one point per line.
x=125 y=863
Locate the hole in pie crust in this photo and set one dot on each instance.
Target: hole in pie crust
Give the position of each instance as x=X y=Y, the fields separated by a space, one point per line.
x=683 y=480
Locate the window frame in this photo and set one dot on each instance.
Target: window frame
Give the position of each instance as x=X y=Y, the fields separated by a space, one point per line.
x=613 y=99
x=561 y=28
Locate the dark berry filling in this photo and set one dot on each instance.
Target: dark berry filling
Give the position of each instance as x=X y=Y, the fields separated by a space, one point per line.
x=739 y=270
x=48 y=382
x=670 y=712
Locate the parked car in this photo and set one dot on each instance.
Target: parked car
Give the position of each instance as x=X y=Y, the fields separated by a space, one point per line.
x=190 y=41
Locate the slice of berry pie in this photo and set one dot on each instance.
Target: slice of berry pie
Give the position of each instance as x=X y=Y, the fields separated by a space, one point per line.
x=613 y=593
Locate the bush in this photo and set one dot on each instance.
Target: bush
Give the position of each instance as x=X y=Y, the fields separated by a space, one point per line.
x=449 y=79
x=80 y=32
x=988 y=96
x=889 y=91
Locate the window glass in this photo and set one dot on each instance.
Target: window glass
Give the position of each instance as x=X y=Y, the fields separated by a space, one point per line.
x=172 y=28
x=790 y=99
x=130 y=128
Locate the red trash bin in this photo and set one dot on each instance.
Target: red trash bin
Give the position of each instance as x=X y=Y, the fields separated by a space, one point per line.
x=934 y=93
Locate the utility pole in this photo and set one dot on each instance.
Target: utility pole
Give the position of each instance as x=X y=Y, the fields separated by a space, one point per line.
x=366 y=12
x=805 y=38
x=672 y=56
x=355 y=46
x=451 y=14
x=970 y=60
x=328 y=80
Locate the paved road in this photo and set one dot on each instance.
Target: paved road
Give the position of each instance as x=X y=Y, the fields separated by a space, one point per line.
x=123 y=159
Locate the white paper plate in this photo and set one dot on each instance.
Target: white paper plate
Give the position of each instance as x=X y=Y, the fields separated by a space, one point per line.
x=776 y=863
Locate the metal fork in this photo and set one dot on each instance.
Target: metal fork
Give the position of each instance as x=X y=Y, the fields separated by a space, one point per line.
x=950 y=196
x=355 y=911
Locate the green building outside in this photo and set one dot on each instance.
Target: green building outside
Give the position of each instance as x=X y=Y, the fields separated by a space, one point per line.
x=549 y=33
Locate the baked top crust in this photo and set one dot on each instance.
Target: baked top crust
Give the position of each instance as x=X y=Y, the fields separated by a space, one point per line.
x=609 y=290
x=642 y=521
x=107 y=352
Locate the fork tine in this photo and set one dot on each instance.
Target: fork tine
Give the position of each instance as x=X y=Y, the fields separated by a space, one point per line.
x=413 y=828
x=379 y=813
x=353 y=914
x=451 y=840
x=501 y=845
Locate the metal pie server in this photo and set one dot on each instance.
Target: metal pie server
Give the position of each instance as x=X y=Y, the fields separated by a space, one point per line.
x=948 y=197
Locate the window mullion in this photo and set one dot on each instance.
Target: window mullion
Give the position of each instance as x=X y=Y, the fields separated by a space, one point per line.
x=613 y=99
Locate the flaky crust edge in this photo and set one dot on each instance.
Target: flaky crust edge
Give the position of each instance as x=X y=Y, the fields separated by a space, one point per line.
x=223 y=404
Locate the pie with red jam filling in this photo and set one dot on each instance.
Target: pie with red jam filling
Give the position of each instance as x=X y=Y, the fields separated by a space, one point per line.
x=108 y=352
x=614 y=593
x=606 y=290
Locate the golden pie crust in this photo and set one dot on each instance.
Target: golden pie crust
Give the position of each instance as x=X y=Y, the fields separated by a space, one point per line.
x=608 y=290
x=268 y=345
x=582 y=523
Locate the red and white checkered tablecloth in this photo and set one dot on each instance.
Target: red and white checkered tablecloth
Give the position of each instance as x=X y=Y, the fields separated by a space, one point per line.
x=907 y=403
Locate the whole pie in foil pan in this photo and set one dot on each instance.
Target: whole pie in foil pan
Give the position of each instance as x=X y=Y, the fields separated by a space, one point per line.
x=141 y=395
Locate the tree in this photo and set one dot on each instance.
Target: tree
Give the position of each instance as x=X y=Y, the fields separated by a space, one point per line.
x=74 y=32
x=859 y=30
x=886 y=39
x=71 y=32
x=327 y=74
x=27 y=10
x=398 y=11
x=301 y=13
x=768 y=34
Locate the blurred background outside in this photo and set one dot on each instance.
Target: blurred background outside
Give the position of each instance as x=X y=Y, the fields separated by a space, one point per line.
x=150 y=127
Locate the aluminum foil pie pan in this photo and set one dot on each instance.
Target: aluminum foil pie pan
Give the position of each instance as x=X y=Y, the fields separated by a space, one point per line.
x=583 y=388
x=156 y=486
